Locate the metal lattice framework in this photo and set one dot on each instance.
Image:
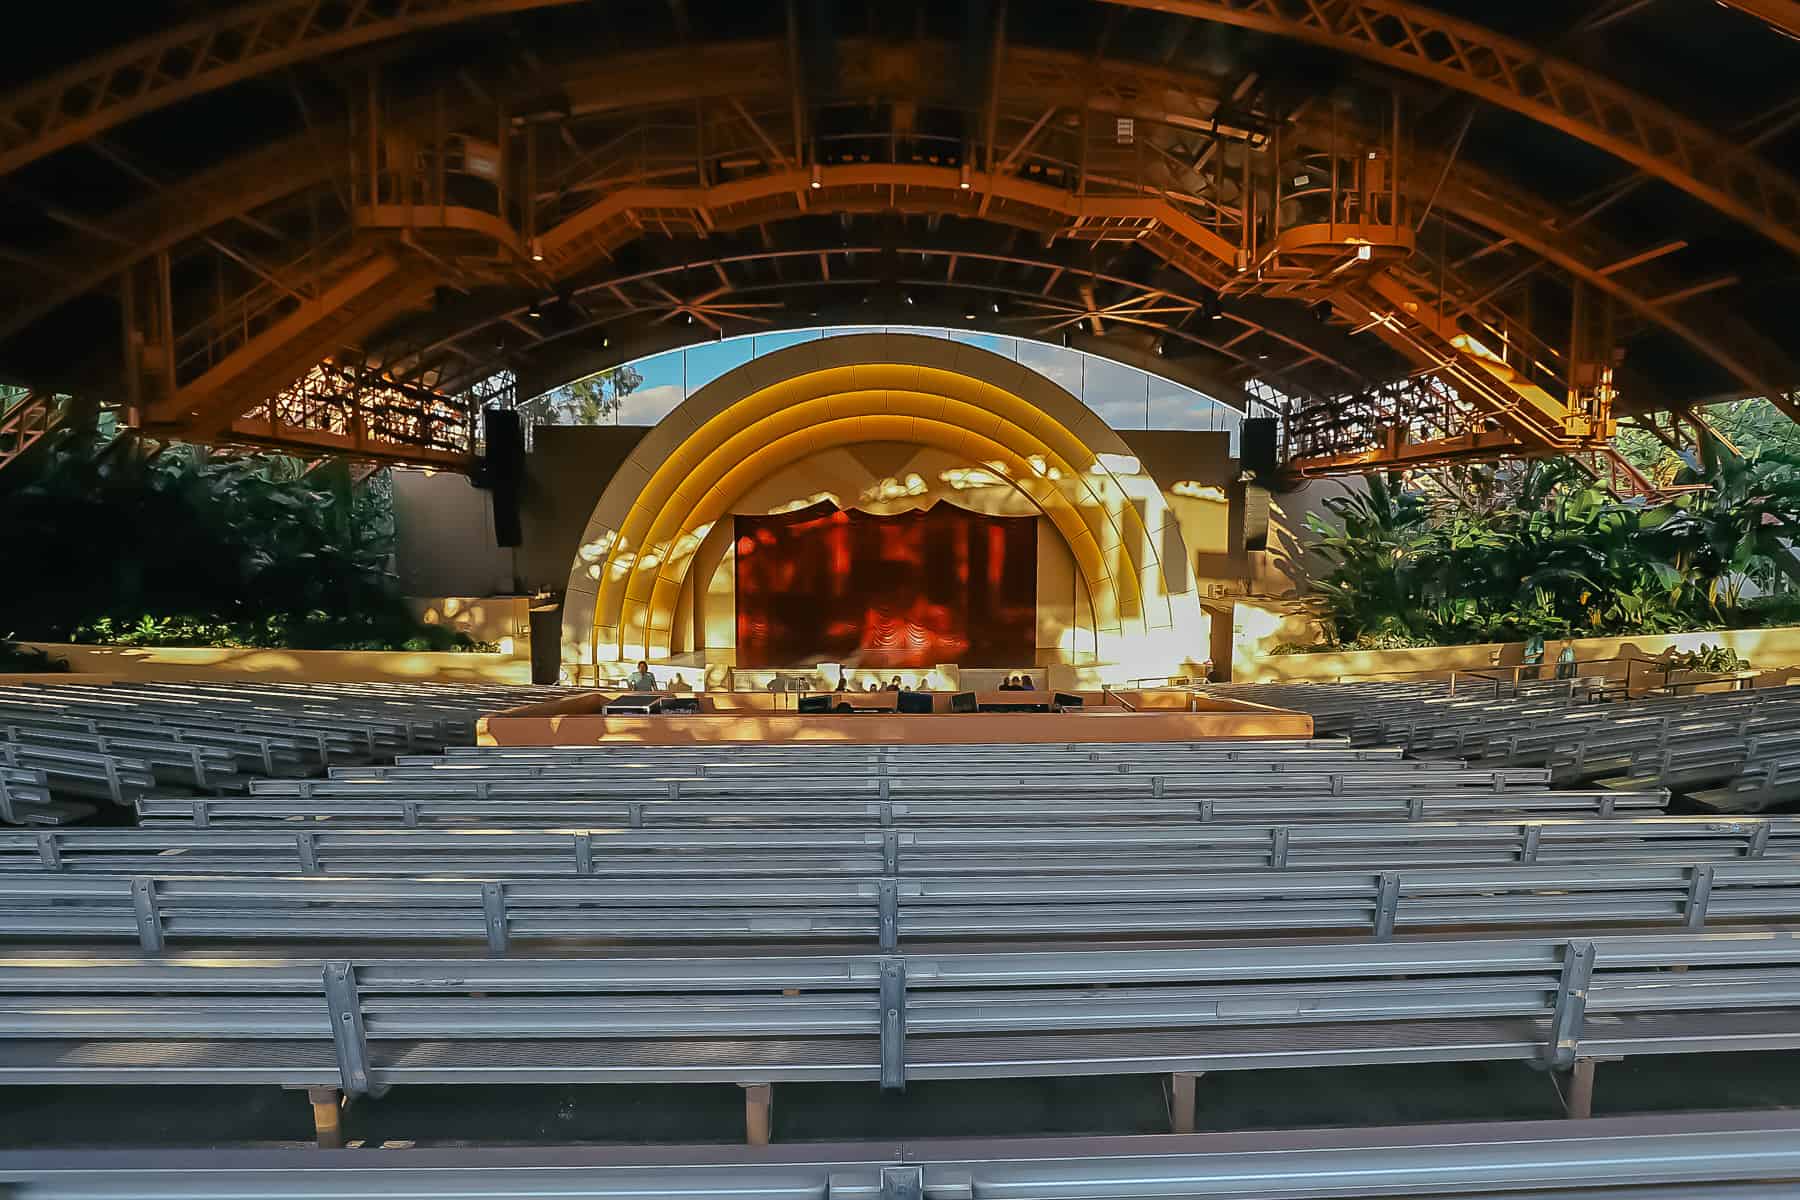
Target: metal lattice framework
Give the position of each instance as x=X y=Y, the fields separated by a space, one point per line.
x=252 y=40
x=352 y=409
x=1124 y=174
x=1560 y=94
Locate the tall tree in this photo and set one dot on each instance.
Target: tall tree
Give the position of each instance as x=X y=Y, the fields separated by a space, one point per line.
x=593 y=400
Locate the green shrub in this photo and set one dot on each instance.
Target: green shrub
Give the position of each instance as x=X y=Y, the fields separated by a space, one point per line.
x=15 y=658
x=1552 y=555
x=196 y=550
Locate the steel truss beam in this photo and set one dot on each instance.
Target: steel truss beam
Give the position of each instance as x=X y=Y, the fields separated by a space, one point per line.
x=1042 y=293
x=254 y=39
x=1043 y=80
x=1781 y=15
x=1041 y=83
x=1552 y=91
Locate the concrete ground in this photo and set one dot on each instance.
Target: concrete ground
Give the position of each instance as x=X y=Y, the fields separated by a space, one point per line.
x=218 y=1116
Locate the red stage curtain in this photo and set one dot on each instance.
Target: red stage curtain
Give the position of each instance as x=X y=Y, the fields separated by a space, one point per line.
x=939 y=585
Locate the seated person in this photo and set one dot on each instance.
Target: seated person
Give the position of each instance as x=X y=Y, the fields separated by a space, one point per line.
x=870 y=686
x=1025 y=684
x=641 y=680
x=894 y=684
x=1011 y=685
x=843 y=683
x=678 y=683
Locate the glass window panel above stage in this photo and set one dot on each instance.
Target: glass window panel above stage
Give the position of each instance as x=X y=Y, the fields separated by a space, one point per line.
x=1123 y=396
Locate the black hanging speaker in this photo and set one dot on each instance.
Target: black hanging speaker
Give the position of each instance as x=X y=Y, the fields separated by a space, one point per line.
x=504 y=471
x=1256 y=446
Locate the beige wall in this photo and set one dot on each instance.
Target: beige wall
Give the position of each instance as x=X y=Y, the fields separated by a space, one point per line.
x=320 y=666
x=1775 y=651
x=444 y=534
x=502 y=619
x=444 y=525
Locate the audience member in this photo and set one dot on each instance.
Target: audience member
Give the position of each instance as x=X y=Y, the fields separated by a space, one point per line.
x=843 y=683
x=1025 y=684
x=894 y=684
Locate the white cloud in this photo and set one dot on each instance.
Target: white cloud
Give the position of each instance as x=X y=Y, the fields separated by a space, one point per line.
x=647 y=406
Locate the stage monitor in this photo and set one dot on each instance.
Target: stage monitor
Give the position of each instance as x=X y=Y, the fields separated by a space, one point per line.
x=631 y=706
x=815 y=704
x=1066 y=700
x=915 y=702
x=685 y=706
x=963 y=702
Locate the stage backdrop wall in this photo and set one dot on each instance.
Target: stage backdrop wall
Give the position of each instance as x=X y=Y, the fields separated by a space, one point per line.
x=911 y=589
x=885 y=478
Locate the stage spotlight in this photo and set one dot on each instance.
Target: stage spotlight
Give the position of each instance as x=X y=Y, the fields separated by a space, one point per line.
x=994 y=306
x=1158 y=347
x=970 y=312
x=537 y=250
x=605 y=338
x=963 y=180
x=906 y=298
x=688 y=318
x=535 y=312
x=817 y=181
x=1321 y=312
x=1211 y=308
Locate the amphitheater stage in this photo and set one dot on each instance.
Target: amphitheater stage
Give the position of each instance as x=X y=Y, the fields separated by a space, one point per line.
x=1167 y=716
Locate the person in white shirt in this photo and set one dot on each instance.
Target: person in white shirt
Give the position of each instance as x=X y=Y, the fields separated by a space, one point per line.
x=641 y=680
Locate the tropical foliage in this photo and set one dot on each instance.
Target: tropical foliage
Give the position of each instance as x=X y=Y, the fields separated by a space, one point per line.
x=1543 y=552
x=27 y=659
x=190 y=549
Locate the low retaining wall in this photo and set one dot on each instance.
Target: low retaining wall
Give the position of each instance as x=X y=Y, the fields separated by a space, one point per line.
x=578 y=721
x=184 y=663
x=1775 y=651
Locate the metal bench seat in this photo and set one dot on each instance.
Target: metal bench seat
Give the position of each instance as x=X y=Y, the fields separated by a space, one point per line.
x=695 y=768
x=203 y=767
x=821 y=781
x=25 y=799
x=890 y=1018
x=82 y=773
x=1017 y=848
x=1720 y=1155
x=892 y=909
x=444 y=807
x=1014 y=848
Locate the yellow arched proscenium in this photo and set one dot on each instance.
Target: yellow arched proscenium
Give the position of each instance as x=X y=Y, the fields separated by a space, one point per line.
x=693 y=467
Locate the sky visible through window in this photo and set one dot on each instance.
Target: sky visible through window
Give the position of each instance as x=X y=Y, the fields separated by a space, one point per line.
x=1125 y=397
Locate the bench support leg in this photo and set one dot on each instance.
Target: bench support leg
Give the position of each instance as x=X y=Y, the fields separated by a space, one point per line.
x=327 y=1116
x=1181 y=1100
x=759 y=1103
x=1579 y=1101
